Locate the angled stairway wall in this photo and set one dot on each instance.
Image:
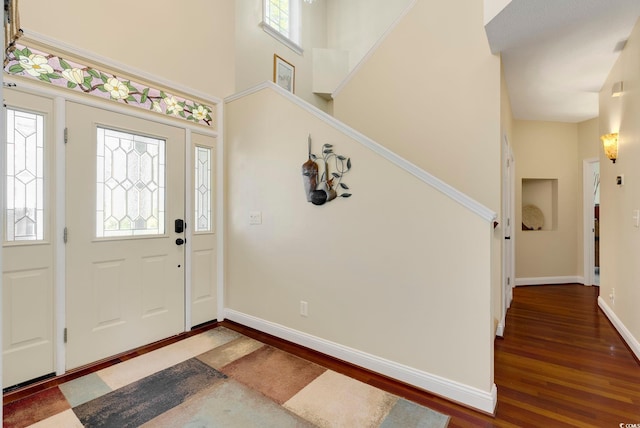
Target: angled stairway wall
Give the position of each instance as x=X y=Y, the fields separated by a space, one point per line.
x=397 y=278
x=430 y=91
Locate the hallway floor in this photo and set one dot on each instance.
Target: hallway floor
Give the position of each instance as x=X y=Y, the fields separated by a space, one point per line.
x=561 y=363
x=217 y=378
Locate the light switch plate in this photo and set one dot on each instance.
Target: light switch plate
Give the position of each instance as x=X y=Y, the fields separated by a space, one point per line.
x=255 y=217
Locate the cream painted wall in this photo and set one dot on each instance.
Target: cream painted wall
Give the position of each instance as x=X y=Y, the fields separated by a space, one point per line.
x=355 y=26
x=506 y=114
x=191 y=46
x=399 y=270
x=620 y=242
x=436 y=101
x=548 y=150
x=432 y=99
x=588 y=140
x=255 y=48
x=492 y=8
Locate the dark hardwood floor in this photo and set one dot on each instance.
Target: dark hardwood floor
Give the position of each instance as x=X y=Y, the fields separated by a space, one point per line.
x=560 y=363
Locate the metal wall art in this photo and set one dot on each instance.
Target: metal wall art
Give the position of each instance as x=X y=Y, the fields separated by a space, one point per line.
x=326 y=188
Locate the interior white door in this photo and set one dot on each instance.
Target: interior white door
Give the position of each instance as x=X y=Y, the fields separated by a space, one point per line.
x=28 y=262
x=125 y=260
x=508 y=247
x=203 y=232
x=591 y=198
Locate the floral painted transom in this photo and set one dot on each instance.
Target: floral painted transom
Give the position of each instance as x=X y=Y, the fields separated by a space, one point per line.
x=50 y=68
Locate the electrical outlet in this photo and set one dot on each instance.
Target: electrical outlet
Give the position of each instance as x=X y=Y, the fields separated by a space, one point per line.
x=304 y=308
x=612 y=296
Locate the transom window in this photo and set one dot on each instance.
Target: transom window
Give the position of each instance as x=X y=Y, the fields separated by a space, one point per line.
x=130 y=184
x=281 y=19
x=25 y=177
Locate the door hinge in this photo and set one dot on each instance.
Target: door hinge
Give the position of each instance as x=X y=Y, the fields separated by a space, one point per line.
x=508 y=283
x=64 y=335
x=65 y=235
x=66 y=135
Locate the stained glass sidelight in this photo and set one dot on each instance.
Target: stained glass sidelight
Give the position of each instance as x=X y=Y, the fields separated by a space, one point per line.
x=25 y=176
x=203 y=189
x=130 y=184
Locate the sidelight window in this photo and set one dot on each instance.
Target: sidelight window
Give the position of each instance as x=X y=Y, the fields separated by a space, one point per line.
x=24 y=215
x=203 y=189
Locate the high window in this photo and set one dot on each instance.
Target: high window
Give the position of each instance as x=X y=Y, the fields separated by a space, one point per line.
x=281 y=19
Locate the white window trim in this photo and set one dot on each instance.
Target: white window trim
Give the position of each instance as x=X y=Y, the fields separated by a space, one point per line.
x=296 y=28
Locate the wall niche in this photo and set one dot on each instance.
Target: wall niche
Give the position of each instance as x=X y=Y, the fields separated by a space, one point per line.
x=539 y=204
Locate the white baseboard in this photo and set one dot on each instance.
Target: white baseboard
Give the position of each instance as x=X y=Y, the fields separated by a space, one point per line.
x=632 y=342
x=550 y=280
x=455 y=391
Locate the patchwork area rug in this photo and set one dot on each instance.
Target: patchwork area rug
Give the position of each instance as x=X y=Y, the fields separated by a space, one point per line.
x=219 y=378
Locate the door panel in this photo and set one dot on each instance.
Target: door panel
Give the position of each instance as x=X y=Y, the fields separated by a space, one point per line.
x=125 y=272
x=28 y=336
x=204 y=239
x=27 y=298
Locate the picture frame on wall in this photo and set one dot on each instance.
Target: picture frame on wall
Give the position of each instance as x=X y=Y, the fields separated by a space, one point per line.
x=284 y=73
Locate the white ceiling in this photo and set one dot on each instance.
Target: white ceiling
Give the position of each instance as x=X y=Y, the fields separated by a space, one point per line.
x=557 y=54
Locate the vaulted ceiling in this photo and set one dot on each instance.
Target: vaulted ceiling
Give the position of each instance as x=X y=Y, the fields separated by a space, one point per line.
x=557 y=54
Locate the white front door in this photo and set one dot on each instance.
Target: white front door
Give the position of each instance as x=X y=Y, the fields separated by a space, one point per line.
x=28 y=262
x=124 y=258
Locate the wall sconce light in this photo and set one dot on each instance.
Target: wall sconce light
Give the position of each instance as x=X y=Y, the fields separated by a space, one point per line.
x=610 y=144
x=617 y=89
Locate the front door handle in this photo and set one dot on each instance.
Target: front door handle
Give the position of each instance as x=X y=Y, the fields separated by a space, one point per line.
x=180 y=241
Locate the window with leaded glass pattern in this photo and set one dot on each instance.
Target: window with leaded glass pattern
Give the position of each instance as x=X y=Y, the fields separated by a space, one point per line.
x=130 y=184
x=203 y=189
x=25 y=211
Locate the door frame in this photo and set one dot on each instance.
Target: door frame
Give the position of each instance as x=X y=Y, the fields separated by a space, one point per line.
x=3 y=184
x=588 y=220
x=60 y=97
x=508 y=235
